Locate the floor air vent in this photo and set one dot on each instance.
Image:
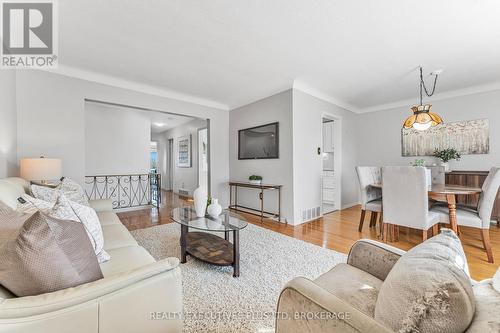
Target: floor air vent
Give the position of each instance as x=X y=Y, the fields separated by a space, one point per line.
x=311 y=214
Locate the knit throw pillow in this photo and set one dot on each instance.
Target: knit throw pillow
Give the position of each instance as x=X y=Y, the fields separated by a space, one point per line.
x=428 y=289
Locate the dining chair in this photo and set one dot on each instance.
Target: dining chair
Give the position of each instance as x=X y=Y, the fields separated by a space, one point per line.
x=437 y=174
x=481 y=217
x=406 y=201
x=371 y=198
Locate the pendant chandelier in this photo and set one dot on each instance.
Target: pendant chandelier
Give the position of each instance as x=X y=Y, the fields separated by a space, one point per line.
x=422 y=119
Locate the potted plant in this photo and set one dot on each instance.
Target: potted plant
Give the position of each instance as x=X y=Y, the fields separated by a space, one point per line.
x=446 y=155
x=255 y=180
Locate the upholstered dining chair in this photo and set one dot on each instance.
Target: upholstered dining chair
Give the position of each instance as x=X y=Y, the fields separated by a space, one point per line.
x=371 y=198
x=437 y=174
x=406 y=201
x=477 y=218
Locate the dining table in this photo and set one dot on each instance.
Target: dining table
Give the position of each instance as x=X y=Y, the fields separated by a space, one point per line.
x=447 y=193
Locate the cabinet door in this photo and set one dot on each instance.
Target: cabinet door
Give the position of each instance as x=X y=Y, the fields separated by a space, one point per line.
x=329 y=195
x=328 y=137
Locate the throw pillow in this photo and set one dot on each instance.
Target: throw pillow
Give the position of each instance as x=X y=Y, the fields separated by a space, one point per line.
x=428 y=289
x=29 y=205
x=70 y=210
x=46 y=255
x=44 y=193
x=4 y=209
x=73 y=191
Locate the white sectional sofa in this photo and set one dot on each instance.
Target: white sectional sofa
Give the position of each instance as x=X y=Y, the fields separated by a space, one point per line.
x=135 y=289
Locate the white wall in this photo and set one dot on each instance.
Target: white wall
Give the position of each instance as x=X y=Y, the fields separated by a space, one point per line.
x=379 y=133
x=276 y=108
x=308 y=112
x=51 y=121
x=8 y=124
x=186 y=178
x=117 y=140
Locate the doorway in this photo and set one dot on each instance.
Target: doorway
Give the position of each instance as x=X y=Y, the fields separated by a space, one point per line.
x=203 y=158
x=170 y=163
x=331 y=164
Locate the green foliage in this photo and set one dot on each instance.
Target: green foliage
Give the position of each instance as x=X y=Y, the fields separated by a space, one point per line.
x=447 y=154
x=209 y=201
x=255 y=177
x=419 y=163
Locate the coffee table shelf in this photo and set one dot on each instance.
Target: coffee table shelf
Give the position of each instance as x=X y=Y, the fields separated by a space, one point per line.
x=206 y=246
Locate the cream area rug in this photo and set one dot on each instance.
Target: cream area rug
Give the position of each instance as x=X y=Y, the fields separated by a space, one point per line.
x=215 y=301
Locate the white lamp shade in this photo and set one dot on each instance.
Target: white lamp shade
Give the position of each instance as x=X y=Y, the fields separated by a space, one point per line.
x=41 y=168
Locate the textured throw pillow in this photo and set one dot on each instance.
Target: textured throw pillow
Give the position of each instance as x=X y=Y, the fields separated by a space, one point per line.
x=44 y=193
x=428 y=289
x=4 y=209
x=30 y=205
x=73 y=191
x=46 y=255
x=70 y=210
x=65 y=209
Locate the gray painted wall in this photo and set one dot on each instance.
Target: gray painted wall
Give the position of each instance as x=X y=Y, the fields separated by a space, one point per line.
x=379 y=133
x=51 y=121
x=276 y=108
x=307 y=137
x=8 y=125
x=186 y=178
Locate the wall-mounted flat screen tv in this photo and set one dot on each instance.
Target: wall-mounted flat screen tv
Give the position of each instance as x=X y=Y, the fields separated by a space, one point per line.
x=261 y=142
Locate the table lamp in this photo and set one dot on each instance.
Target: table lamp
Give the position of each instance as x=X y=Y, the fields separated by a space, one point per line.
x=41 y=169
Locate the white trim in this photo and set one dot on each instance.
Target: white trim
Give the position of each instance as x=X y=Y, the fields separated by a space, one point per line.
x=444 y=95
x=135 y=86
x=299 y=85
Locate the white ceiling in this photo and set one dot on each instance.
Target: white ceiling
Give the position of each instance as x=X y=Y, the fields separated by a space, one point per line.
x=361 y=53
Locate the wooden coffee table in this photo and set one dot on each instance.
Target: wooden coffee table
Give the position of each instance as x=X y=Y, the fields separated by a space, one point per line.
x=206 y=246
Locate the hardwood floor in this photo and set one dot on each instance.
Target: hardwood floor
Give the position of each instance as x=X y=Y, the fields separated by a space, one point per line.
x=336 y=231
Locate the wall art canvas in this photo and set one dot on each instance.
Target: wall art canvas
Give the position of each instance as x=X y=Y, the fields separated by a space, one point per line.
x=184 y=151
x=467 y=137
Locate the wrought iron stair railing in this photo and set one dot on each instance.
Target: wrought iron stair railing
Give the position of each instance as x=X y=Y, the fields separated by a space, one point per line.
x=125 y=191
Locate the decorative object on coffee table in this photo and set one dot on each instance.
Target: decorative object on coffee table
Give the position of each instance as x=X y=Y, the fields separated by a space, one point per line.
x=207 y=246
x=214 y=209
x=200 y=197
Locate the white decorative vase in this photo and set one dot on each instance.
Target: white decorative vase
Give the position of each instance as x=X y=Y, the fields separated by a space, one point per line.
x=214 y=209
x=200 y=197
x=446 y=166
x=255 y=182
x=428 y=177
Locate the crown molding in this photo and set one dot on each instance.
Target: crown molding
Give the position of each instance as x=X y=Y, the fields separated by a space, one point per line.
x=440 y=96
x=304 y=87
x=135 y=86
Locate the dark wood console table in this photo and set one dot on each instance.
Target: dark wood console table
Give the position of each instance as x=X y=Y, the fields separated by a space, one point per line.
x=476 y=179
x=258 y=212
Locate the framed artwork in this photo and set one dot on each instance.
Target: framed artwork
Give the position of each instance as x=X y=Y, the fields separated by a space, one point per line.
x=184 y=151
x=467 y=137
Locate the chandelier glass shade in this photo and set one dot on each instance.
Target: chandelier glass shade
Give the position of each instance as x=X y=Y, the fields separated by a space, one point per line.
x=422 y=119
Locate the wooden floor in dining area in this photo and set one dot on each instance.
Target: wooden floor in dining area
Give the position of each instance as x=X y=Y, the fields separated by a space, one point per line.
x=336 y=231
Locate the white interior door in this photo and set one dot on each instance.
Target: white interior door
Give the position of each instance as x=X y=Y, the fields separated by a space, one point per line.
x=203 y=158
